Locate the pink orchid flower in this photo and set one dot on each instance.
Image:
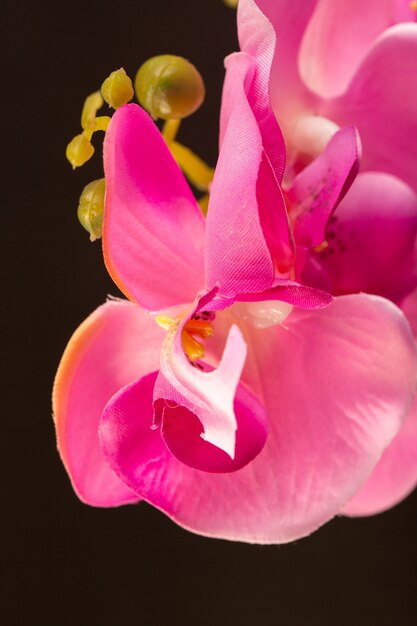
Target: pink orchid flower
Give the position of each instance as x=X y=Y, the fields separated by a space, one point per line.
x=267 y=430
x=369 y=80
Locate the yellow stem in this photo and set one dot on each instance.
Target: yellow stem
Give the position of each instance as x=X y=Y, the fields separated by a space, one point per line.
x=170 y=130
x=102 y=122
x=203 y=203
x=195 y=169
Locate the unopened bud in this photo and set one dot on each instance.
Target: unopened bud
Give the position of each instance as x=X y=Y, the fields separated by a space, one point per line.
x=117 y=89
x=169 y=87
x=91 y=208
x=79 y=150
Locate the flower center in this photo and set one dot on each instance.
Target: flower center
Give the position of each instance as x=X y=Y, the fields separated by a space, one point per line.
x=200 y=325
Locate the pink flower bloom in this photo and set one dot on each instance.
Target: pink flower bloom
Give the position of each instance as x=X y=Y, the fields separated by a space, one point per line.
x=369 y=79
x=341 y=63
x=315 y=401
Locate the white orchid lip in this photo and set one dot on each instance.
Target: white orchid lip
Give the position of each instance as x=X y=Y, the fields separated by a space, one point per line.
x=263 y=314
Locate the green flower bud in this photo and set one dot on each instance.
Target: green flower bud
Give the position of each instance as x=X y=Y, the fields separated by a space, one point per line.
x=91 y=208
x=117 y=89
x=169 y=87
x=79 y=150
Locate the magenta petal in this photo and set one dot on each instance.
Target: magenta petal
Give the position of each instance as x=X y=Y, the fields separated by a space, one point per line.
x=289 y=291
x=241 y=243
x=385 y=110
x=395 y=475
x=274 y=219
x=183 y=433
x=290 y=97
x=328 y=425
x=372 y=239
x=318 y=189
x=409 y=308
x=294 y=293
x=131 y=446
x=257 y=39
x=114 y=346
x=153 y=233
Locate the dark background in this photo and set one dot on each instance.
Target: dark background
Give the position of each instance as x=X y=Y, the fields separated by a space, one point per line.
x=65 y=563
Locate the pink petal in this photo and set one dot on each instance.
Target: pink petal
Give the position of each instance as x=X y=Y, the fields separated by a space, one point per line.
x=208 y=398
x=404 y=11
x=257 y=39
x=153 y=228
x=395 y=475
x=372 y=237
x=114 y=346
x=185 y=437
x=137 y=452
x=381 y=101
x=318 y=189
x=336 y=384
x=289 y=95
x=292 y=292
x=409 y=308
x=247 y=224
x=347 y=28
x=130 y=444
x=289 y=291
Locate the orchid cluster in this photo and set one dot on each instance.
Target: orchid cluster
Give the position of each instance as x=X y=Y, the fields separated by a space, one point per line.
x=260 y=377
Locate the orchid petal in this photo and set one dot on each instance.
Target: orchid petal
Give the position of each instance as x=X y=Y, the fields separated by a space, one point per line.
x=294 y=293
x=289 y=96
x=347 y=28
x=245 y=241
x=318 y=189
x=153 y=228
x=257 y=39
x=371 y=239
x=129 y=441
x=114 y=346
x=409 y=308
x=395 y=475
x=324 y=438
x=384 y=110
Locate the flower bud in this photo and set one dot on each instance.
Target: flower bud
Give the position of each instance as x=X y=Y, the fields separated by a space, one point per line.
x=117 y=89
x=79 y=150
x=169 y=87
x=91 y=208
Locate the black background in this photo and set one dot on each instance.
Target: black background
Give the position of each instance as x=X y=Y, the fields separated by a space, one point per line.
x=65 y=563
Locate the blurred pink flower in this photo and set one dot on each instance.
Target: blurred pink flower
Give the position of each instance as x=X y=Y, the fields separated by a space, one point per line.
x=339 y=63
